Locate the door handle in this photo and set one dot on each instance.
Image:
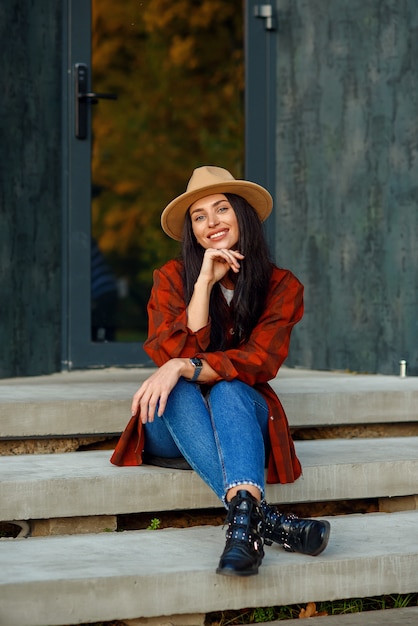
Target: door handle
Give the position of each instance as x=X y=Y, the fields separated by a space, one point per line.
x=83 y=98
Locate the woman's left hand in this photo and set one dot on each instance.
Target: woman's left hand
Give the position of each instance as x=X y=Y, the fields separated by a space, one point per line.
x=155 y=390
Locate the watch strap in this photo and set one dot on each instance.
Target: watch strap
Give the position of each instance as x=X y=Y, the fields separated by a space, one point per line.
x=197 y=364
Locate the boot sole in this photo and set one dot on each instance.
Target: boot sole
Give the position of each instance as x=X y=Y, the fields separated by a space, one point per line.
x=232 y=572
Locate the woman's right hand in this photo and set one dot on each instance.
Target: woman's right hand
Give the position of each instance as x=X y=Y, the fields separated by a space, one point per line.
x=217 y=263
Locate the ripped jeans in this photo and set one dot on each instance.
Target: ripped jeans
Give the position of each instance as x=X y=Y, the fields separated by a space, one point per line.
x=223 y=436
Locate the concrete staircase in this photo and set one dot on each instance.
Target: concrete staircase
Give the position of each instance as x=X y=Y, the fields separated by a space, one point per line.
x=69 y=571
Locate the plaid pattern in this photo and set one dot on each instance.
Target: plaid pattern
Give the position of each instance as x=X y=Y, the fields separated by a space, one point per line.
x=255 y=362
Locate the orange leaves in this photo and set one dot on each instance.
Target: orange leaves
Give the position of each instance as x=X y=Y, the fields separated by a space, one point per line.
x=164 y=14
x=168 y=15
x=182 y=52
x=311 y=611
x=178 y=70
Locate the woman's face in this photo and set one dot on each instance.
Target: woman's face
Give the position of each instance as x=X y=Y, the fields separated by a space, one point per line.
x=214 y=222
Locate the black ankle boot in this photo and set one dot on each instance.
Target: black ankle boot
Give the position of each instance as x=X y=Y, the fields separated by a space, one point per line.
x=294 y=534
x=244 y=546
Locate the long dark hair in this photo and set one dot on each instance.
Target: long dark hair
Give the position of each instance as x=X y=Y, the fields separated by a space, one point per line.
x=251 y=283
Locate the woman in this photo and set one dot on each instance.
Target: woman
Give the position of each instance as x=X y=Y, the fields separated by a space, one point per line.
x=220 y=320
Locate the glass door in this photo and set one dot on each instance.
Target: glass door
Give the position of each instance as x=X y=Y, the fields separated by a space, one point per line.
x=155 y=89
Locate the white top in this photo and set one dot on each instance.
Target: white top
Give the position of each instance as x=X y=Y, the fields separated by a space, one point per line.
x=228 y=293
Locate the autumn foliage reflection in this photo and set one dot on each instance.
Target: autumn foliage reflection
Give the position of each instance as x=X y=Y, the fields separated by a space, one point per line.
x=177 y=68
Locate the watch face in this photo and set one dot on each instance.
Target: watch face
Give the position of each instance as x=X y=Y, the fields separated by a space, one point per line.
x=196 y=362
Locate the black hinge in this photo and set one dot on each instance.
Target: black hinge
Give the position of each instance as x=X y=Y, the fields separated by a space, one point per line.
x=265 y=11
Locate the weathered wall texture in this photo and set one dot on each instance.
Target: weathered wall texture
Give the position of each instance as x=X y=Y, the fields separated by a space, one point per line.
x=30 y=190
x=347 y=179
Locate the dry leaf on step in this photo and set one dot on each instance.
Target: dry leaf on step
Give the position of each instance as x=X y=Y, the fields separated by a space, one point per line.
x=311 y=611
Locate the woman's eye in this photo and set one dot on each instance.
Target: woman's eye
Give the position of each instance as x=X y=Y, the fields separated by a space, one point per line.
x=199 y=218
x=223 y=208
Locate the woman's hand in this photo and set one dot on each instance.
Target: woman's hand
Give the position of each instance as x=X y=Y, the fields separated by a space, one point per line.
x=217 y=263
x=155 y=390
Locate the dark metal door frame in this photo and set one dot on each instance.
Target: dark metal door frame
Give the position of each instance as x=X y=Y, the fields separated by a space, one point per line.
x=78 y=351
x=260 y=101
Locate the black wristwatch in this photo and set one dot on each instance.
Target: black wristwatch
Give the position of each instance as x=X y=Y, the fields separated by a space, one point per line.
x=197 y=363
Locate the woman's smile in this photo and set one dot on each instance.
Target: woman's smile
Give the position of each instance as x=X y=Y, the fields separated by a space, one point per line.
x=218 y=234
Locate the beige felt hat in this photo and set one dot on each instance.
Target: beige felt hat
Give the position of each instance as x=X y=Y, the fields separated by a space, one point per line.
x=205 y=181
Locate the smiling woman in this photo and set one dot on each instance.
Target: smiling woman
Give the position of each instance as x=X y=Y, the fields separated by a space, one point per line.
x=209 y=401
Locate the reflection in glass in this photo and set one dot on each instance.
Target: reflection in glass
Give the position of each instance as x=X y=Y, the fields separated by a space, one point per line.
x=104 y=297
x=177 y=70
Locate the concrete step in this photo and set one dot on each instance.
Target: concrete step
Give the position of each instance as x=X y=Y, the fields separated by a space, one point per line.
x=87 y=578
x=98 y=402
x=388 y=617
x=86 y=484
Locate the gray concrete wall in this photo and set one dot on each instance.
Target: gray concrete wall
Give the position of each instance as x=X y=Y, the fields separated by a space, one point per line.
x=30 y=190
x=347 y=179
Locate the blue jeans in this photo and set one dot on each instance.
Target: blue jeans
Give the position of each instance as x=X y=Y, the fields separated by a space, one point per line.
x=223 y=436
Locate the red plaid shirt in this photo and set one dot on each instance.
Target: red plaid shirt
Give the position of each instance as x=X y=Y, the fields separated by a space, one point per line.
x=255 y=362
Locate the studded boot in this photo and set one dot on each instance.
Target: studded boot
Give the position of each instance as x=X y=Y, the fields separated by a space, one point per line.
x=243 y=551
x=294 y=534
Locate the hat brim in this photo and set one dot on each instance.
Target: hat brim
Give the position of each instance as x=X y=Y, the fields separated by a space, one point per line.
x=172 y=218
